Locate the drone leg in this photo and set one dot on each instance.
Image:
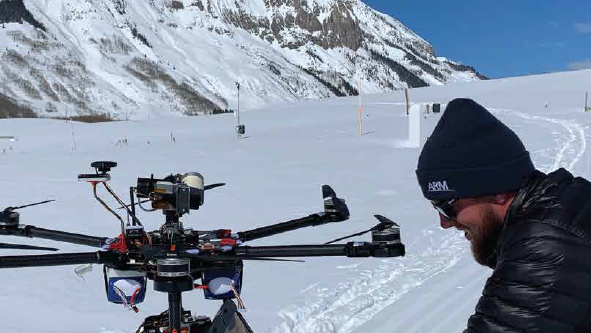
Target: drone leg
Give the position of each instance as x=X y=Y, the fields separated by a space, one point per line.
x=175 y=311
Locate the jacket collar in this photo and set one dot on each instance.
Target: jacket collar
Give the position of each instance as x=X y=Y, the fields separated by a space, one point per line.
x=528 y=187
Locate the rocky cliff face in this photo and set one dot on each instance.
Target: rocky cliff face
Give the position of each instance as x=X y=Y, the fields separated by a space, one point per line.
x=110 y=56
x=15 y=11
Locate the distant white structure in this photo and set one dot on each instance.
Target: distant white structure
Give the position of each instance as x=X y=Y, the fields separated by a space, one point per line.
x=414 y=126
x=8 y=138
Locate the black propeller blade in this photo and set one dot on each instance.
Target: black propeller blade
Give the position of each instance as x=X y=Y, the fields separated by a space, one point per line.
x=25 y=247
x=384 y=224
x=29 y=205
x=211 y=186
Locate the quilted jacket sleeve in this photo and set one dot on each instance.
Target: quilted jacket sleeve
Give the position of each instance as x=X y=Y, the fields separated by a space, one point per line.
x=540 y=283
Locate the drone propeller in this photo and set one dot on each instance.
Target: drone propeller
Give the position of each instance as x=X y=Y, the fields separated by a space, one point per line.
x=335 y=210
x=384 y=224
x=10 y=219
x=212 y=186
x=29 y=205
x=25 y=247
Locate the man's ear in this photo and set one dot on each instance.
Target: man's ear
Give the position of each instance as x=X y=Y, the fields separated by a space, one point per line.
x=503 y=198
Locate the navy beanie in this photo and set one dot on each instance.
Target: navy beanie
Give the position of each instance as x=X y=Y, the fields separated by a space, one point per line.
x=470 y=154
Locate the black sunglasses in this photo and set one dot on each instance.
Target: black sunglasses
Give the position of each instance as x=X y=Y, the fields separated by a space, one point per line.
x=445 y=208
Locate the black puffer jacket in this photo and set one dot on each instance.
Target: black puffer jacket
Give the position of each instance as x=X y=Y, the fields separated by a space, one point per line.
x=542 y=266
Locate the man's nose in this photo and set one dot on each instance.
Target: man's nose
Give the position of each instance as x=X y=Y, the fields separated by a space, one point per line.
x=445 y=223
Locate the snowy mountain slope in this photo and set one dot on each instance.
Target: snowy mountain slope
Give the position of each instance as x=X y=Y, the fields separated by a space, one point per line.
x=136 y=58
x=273 y=175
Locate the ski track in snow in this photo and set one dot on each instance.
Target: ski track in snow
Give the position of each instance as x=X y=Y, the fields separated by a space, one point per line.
x=570 y=150
x=350 y=304
x=576 y=133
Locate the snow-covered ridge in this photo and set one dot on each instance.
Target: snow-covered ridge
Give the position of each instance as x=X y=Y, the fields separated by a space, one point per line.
x=137 y=58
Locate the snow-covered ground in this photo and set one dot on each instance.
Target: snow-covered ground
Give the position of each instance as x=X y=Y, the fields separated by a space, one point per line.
x=274 y=174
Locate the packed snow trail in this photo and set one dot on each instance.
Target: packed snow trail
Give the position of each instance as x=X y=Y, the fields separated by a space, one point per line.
x=352 y=303
x=571 y=147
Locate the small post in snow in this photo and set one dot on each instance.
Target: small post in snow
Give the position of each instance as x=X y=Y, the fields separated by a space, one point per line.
x=360 y=108
x=73 y=136
x=406 y=98
x=239 y=128
x=587 y=109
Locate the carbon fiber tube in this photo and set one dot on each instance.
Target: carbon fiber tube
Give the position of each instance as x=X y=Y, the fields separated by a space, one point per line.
x=54 y=259
x=66 y=237
x=175 y=311
x=351 y=249
x=293 y=251
x=311 y=220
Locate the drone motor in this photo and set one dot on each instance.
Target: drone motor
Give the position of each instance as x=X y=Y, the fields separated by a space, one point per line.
x=8 y=218
x=173 y=267
x=388 y=236
x=174 y=275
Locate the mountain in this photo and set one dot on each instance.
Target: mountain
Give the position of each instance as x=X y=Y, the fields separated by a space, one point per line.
x=125 y=58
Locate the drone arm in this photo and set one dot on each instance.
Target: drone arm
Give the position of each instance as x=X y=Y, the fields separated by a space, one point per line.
x=335 y=210
x=351 y=249
x=60 y=236
x=67 y=237
x=57 y=259
x=311 y=220
x=292 y=251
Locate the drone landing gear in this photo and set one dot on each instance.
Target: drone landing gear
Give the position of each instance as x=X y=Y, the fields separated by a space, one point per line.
x=173 y=277
x=190 y=324
x=227 y=320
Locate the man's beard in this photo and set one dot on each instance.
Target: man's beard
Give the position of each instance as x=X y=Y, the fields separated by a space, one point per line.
x=485 y=237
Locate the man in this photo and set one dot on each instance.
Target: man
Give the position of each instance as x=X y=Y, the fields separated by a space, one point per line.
x=532 y=229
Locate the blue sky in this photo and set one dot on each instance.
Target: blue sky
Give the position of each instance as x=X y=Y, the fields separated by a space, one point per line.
x=501 y=38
